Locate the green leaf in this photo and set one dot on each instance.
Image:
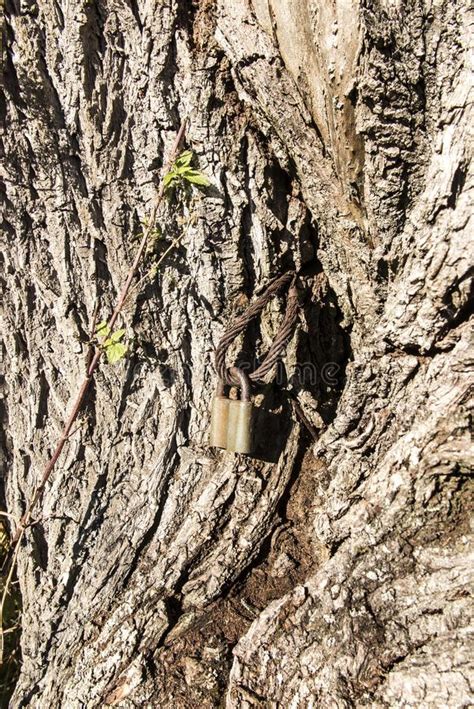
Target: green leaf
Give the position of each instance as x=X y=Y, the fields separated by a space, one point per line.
x=185 y=158
x=168 y=179
x=102 y=329
x=115 y=352
x=197 y=178
x=117 y=335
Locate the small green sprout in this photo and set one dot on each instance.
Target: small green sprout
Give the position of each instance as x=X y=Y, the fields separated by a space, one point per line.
x=110 y=342
x=182 y=172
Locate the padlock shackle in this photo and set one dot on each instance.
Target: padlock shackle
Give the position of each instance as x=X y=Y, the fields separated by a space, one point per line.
x=244 y=382
x=220 y=388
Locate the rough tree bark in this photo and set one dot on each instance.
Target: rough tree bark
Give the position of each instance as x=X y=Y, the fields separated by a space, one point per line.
x=161 y=573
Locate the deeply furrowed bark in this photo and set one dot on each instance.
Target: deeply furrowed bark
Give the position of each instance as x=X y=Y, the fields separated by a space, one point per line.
x=332 y=572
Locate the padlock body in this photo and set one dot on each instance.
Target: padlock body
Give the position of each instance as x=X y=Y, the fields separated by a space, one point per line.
x=239 y=427
x=219 y=421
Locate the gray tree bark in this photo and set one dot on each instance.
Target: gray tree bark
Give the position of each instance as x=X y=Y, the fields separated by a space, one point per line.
x=333 y=570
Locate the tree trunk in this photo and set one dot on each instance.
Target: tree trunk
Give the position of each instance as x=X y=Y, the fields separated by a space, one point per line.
x=332 y=569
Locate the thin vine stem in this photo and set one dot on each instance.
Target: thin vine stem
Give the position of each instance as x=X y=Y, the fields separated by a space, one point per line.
x=25 y=519
x=175 y=242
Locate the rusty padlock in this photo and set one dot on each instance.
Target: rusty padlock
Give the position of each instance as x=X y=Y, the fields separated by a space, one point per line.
x=219 y=417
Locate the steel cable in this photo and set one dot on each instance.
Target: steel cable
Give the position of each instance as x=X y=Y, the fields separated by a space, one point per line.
x=241 y=323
